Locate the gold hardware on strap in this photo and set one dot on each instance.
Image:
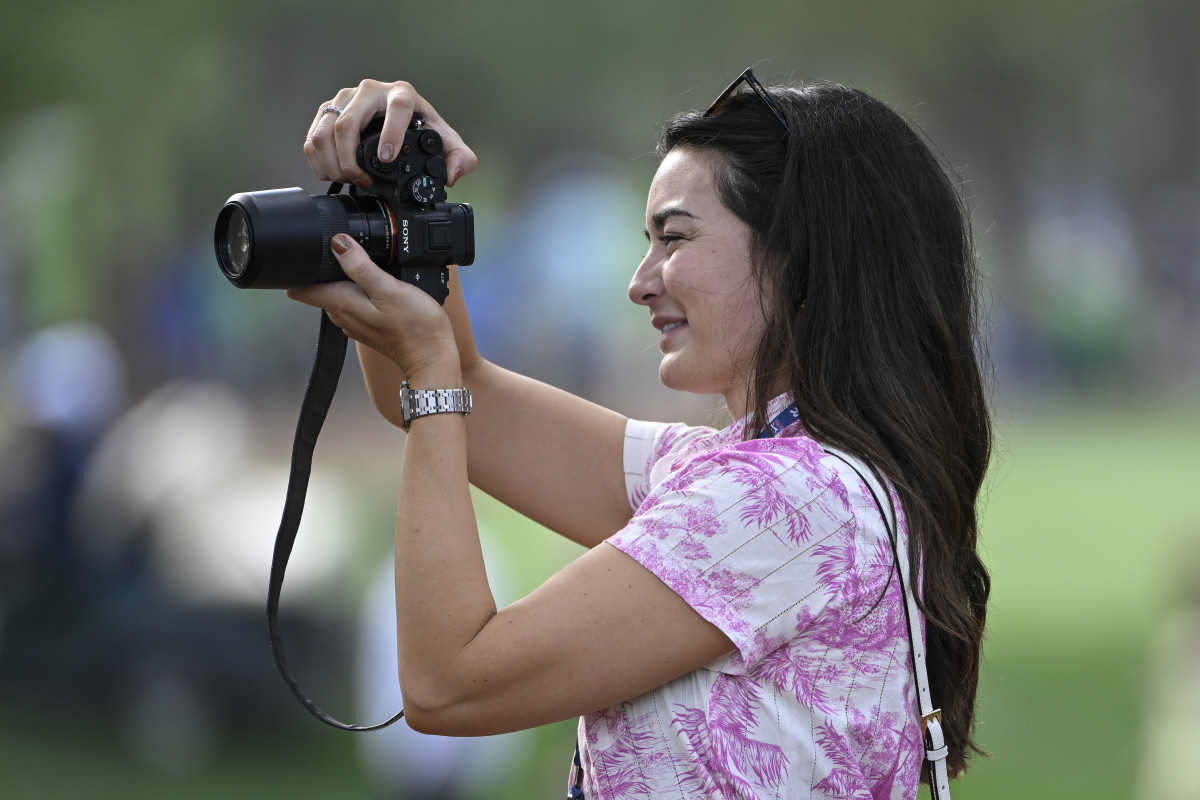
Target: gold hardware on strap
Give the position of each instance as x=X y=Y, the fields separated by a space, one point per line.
x=925 y=718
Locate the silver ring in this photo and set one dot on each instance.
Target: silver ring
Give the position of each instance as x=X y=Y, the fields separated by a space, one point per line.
x=329 y=108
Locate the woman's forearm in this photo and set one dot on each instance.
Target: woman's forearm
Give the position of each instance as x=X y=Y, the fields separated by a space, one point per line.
x=442 y=593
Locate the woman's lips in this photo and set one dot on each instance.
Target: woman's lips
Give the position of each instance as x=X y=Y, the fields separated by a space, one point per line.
x=670 y=331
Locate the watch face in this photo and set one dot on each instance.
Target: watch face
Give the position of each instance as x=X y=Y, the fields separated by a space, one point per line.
x=405 y=404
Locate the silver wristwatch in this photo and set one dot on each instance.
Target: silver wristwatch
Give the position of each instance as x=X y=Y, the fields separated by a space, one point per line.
x=416 y=403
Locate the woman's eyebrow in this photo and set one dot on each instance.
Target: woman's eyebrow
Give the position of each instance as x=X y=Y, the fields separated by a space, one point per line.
x=661 y=216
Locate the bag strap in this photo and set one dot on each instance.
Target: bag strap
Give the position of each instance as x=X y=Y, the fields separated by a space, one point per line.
x=936 y=749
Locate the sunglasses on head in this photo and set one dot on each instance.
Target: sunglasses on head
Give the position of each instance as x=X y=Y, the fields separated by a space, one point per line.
x=748 y=77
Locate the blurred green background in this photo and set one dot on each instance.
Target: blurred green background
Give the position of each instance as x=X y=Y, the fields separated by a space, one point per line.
x=147 y=406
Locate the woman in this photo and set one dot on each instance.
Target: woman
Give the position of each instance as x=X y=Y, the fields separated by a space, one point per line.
x=736 y=626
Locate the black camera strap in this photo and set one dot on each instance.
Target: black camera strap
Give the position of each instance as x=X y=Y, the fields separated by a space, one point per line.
x=322 y=384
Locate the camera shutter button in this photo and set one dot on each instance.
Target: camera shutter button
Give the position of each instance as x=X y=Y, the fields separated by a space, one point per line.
x=436 y=167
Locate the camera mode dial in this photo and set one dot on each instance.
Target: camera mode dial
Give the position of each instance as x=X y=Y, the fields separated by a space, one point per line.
x=423 y=189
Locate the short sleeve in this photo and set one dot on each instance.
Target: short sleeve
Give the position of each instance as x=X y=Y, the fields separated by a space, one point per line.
x=755 y=537
x=647 y=444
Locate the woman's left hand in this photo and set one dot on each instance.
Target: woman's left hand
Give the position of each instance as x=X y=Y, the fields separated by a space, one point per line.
x=390 y=316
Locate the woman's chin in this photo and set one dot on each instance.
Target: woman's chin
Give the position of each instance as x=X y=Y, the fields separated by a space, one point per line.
x=671 y=376
x=675 y=376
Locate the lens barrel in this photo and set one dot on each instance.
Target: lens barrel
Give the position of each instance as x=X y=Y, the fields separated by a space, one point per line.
x=279 y=238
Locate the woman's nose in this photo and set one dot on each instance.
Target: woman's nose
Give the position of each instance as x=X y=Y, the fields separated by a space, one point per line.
x=646 y=283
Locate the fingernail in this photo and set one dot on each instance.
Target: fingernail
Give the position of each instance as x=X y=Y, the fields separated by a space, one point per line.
x=362 y=183
x=385 y=152
x=457 y=175
x=341 y=243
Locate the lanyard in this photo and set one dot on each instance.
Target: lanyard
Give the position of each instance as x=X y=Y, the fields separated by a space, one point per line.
x=788 y=416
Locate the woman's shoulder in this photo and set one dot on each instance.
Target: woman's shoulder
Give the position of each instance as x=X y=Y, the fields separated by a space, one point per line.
x=785 y=486
x=718 y=457
x=793 y=470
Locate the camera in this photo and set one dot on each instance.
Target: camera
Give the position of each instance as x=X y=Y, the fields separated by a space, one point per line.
x=280 y=238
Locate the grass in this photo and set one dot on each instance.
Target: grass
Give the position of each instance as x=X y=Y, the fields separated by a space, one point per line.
x=1090 y=525
x=64 y=758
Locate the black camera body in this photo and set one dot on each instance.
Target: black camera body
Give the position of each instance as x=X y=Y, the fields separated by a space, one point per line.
x=280 y=238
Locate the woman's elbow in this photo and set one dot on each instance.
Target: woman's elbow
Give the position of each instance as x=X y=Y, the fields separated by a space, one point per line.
x=431 y=710
x=444 y=721
x=423 y=720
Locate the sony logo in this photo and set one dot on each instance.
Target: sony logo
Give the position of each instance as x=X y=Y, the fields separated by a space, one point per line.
x=404 y=233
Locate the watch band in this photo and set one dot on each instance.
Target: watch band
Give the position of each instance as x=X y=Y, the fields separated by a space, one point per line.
x=415 y=403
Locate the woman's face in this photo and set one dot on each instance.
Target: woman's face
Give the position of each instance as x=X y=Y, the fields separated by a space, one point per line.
x=696 y=281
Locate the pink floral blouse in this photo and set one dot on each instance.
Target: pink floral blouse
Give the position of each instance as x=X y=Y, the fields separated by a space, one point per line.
x=780 y=546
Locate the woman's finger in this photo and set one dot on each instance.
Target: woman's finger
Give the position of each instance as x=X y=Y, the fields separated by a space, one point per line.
x=376 y=309
x=332 y=142
x=460 y=159
x=360 y=269
x=402 y=101
x=336 y=297
x=368 y=101
x=370 y=294
x=320 y=146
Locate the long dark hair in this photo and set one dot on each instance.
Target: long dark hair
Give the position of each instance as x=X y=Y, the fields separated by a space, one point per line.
x=862 y=246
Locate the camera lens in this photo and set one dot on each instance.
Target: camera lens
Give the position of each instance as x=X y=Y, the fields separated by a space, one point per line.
x=279 y=239
x=237 y=242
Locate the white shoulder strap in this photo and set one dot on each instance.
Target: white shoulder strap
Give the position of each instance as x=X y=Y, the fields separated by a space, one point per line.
x=931 y=718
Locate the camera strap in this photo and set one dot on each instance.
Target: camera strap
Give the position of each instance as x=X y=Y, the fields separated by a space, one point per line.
x=327 y=369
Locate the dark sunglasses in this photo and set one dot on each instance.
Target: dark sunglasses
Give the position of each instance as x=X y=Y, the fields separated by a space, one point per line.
x=752 y=82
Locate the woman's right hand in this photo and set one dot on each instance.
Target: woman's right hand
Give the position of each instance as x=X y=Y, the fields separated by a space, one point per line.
x=333 y=137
